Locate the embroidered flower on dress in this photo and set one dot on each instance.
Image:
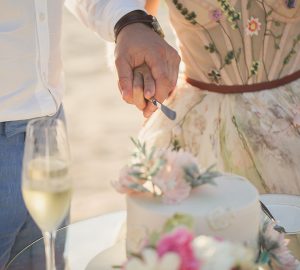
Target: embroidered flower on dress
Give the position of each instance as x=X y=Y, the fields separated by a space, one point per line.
x=253 y=26
x=215 y=76
x=254 y=67
x=216 y=15
x=290 y=3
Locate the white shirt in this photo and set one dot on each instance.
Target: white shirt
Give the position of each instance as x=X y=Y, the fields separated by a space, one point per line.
x=31 y=76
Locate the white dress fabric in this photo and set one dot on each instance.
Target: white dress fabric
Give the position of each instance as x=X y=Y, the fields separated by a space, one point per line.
x=238 y=42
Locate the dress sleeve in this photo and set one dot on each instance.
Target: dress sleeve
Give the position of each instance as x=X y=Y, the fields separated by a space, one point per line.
x=102 y=15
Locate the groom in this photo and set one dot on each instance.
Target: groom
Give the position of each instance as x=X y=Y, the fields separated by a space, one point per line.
x=31 y=83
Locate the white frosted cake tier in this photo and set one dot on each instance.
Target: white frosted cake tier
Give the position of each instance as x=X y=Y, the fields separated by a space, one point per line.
x=230 y=210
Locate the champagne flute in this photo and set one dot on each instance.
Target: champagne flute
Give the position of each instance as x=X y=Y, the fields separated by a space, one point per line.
x=46 y=183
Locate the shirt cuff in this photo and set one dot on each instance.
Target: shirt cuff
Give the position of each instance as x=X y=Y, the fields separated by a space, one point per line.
x=113 y=12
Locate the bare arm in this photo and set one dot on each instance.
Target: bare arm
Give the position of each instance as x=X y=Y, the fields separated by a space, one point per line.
x=152 y=6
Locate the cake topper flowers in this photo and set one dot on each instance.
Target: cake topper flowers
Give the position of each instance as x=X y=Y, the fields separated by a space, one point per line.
x=169 y=174
x=177 y=248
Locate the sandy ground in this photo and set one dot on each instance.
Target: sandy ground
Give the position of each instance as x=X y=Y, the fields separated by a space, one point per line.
x=100 y=123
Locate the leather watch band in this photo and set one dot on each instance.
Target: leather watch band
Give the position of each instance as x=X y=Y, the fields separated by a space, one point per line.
x=138 y=16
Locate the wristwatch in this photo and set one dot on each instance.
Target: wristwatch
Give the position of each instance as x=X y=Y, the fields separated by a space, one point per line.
x=138 y=16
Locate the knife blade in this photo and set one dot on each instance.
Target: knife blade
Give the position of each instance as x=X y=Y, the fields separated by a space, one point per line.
x=166 y=110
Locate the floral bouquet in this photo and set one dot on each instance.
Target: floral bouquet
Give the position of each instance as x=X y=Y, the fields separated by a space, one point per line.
x=169 y=174
x=176 y=248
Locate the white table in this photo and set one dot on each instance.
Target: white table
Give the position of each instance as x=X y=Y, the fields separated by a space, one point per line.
x=79 y=243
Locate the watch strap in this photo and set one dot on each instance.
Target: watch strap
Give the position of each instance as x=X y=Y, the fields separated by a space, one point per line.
x=137 y=16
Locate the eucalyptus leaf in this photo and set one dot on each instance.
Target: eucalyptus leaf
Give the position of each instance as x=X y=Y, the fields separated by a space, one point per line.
x=264 y=257
x=178 y=220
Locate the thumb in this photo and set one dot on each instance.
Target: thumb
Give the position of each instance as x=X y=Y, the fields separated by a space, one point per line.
x=125 y=79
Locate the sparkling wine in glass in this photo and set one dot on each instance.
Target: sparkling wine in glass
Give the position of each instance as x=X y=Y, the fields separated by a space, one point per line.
x=46 y=183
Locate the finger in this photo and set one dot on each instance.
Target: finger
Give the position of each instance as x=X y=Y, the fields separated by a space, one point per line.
x=149 y=84
x=174 y=69
x=149 y=88
x=138 y=90
x=125 y=79
x=160 y=73
x=149 y=109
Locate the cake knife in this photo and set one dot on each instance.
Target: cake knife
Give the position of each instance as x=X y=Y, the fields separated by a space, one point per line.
x=277 y=227
x=166 y=110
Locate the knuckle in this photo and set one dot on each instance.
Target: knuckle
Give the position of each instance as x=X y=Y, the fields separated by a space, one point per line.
x=161 y=52
x=140 y=106
x=126 y=99
x=126 y=96
x=137 y=89
x=163 y=75
x=149 y=81
x=172 y=85
x=123 y=83
x=118 y=61
x=178 y=58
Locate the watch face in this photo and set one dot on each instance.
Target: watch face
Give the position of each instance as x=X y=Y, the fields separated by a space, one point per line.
x=157 y=28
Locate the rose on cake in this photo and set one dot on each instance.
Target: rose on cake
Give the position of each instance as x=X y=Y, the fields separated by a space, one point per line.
x=176 y=248
x=166 y=173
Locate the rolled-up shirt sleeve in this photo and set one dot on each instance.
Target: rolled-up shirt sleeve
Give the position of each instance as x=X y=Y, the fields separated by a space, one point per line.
x=102 y=15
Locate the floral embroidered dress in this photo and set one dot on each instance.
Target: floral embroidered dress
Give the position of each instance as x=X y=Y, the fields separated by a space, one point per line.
x=254 y=134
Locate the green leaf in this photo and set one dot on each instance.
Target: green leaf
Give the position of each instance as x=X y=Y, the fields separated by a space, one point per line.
x=269 y=12
x=277 y=23
x=138 y=187
x=154 y=238
x=179 y=6
x=184 y=11
x=264 y=257
x=178 y=220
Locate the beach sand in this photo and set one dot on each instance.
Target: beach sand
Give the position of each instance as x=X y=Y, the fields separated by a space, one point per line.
x=100 y=123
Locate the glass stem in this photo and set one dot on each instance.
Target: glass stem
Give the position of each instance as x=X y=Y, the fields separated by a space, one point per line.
x=49 y=241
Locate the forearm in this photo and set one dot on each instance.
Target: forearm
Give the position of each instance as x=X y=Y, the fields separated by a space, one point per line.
x=102 y=15
x=152 y=6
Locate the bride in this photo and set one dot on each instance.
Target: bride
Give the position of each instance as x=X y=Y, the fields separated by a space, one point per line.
x=238 y=100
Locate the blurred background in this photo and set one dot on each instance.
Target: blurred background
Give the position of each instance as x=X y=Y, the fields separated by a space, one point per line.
x=100 y=123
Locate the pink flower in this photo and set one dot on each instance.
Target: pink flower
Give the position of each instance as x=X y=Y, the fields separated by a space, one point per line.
x=216 y=15
x=253 y=26
x=126 y=182
x=180 y=242
x=284 y=260
x=171 y=178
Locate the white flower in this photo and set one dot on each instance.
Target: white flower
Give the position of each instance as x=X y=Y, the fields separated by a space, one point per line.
x=253 y=26
x=222 y=255
x=151 y=261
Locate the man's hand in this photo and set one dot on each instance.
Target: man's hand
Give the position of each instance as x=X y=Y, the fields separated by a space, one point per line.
x=137 y=44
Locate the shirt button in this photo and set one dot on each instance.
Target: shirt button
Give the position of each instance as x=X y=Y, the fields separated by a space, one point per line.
x=42 y=16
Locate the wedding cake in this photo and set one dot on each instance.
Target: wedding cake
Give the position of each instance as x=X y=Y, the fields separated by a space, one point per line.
x=229 y=209
x=181 y=217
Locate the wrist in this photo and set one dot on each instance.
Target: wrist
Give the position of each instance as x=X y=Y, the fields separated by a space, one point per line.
x=137 y=17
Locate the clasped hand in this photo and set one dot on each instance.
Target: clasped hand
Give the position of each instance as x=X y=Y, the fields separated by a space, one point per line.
x=147 y=66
